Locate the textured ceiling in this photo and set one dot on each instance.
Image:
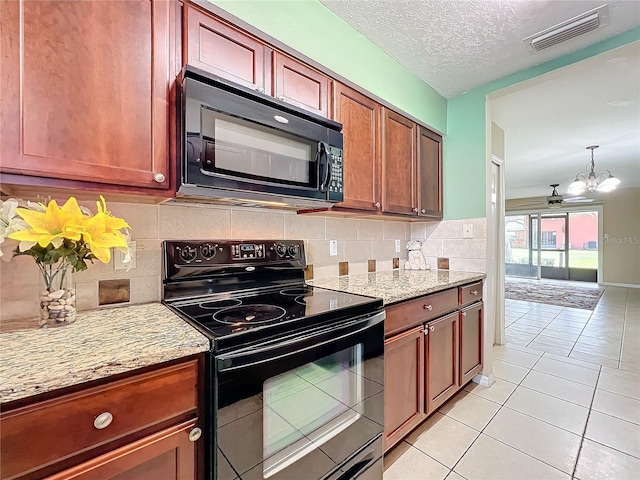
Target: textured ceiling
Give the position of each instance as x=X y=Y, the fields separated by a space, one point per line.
x=549 y=120
x=455 y=46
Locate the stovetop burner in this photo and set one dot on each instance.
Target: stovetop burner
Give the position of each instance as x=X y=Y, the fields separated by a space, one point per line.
x=220 y=304
x=252 y=314
x=295 y=291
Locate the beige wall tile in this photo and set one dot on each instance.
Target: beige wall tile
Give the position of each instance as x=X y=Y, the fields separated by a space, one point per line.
x=468 y=264
x=145 y=289
x=384 y=265
x=21 y=270
x=12 y=309
x=466 y=248
x=479 y=226
x=325 y=271
x=357 y=268
x=395 y=230
x=419 y=230
x=370 y=229
x=318 y=253
x=193 y=221
x=148 y=264
x=143 y=219
x=432 y=248
x=86 y=295
x=385 y=249
x=254 y=224
x=448 y=229
x=96 y=271
x=304 y=227
x=358 y=250
x=341 y=228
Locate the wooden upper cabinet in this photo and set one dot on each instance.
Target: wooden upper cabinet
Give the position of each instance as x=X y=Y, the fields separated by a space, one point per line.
x=398 y=166
x=429 y=173
x=300 y=85
x=225 y=51
x=442 y=360
x=85 y=90
x=360 y=117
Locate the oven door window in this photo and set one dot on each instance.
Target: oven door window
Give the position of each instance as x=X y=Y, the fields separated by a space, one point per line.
x=243 y=149
x=308 y=406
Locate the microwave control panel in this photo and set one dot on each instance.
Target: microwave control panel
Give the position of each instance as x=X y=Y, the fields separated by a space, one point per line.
x=336 y=183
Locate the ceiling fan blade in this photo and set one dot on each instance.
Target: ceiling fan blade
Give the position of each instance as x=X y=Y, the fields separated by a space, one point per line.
x=578 y=200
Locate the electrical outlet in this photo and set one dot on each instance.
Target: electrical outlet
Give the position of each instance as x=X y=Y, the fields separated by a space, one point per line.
x=118 y=258
x=333 y=248
x=397 y=246
x=467 y=230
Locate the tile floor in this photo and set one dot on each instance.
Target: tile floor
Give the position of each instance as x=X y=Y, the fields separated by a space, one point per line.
x=564 y=405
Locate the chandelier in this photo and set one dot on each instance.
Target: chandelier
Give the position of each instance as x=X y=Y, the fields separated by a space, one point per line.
x=588 y=180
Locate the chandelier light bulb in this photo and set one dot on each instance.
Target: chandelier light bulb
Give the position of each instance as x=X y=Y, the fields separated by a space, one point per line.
x=604 y=181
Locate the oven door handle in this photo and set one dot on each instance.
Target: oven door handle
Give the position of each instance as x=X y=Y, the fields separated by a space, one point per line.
x=287 y=348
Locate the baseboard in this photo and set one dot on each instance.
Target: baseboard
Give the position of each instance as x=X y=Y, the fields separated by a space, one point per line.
x=484 y=380
x=613 y=284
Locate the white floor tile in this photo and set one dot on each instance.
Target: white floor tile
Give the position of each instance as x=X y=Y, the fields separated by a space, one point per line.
x=454 y=476
x=625 y=408
x=597 y=462
x=587 y=357
x=470 y=409
x=534 y=437
x=443 y=439
x=498 y=392
x=559 y=387
x=492 y=460
x=517 y=357
x=405 y=462
x=573 y=361
x=621 y=385
x=552 y=410
x=614 y=433
x=568 y=371
x=508 y=371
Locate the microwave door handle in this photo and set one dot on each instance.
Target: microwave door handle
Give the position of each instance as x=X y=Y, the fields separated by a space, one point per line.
x=323 y=150
x=257 y=356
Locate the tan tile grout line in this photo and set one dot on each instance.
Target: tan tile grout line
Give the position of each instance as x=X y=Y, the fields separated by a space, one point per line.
x=586 y=424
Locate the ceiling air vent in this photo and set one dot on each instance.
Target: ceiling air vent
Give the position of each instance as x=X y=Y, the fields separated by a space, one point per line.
x=587 y=22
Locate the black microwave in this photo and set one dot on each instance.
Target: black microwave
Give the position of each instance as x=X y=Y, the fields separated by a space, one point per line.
x=240 y=146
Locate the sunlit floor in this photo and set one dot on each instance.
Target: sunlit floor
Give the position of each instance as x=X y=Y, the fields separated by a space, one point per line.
x=567 y=413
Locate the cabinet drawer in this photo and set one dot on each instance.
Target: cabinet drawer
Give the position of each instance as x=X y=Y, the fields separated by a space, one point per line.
x=413 y=312
x=41 y=434
x=470 y=293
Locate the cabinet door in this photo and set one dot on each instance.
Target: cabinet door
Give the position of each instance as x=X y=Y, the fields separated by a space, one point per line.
x=166 y=455
x=442 y=360
x=404 y=387
x=360 y=117
x=398 y=166
x=224 y=51
x=299 y=85
x=429 y=173
x=470 y=342
x=85 y=90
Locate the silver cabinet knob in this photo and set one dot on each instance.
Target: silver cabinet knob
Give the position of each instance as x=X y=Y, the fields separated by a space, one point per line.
x=195 y=434
x=415 y=210
x=423 y=211
x=281 y=99
x=426 y=330
x=159 y=177
x=473 y=292
x=377 y=204
x=464 y=314
x=432 y=328
x=260 y=89
x=427 y=307
x=103 y=420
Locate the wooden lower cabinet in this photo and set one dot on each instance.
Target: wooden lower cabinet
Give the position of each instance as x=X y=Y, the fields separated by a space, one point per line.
x=403 y=393
x=167 y=455
x=470 y=342
x=441 y=355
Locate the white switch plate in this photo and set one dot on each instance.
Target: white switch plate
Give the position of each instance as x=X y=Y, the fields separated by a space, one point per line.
x=467 y=230
x=118 y=258
x=333 y=248
x=397 y=246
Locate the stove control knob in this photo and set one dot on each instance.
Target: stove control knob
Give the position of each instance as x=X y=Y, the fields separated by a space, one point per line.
x=280 y=248
x=293 y=250
x=188 y=253
x=207 y=251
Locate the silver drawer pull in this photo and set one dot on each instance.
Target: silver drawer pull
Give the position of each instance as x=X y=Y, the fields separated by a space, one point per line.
x=103 y=420
x=473 y=292
x=426 y=330
x=464 y=314
x=432 y=328
x=195 y=434
x=427 y=307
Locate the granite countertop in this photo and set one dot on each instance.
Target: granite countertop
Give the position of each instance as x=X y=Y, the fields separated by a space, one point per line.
x=99 y=344
x=397 y=285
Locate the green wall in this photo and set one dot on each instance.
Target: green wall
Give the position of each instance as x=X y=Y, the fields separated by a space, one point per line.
x=465 y=143
x=315 y=31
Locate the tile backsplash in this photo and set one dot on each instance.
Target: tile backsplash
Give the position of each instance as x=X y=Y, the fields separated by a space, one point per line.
x=359 y=241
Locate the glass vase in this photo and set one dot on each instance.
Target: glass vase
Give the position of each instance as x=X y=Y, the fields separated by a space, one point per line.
x=57 y=295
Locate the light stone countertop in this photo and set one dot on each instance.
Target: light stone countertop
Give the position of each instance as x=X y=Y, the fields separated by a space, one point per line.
x=99 y=344
x=397 y=285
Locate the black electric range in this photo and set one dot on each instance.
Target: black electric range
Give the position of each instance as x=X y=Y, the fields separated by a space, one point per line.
x=304 y=363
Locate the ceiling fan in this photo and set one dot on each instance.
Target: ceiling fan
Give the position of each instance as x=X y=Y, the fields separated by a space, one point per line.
x=555 y=200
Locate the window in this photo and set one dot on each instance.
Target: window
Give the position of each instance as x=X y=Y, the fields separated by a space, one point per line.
x=548 y=240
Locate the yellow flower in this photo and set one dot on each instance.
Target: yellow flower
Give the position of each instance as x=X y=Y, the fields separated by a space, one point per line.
x=102 y=232
x=51 y=226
